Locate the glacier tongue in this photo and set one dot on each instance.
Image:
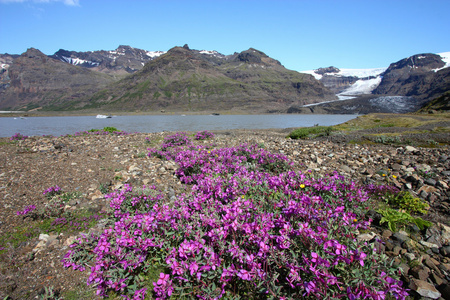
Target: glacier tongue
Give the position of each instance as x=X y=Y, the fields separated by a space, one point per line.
x=362 y=86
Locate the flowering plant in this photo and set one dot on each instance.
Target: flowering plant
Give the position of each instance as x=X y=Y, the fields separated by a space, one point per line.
x=52 y=191
x=27 y=209
x=203 y=135
x=18 y=137
x=250 y=227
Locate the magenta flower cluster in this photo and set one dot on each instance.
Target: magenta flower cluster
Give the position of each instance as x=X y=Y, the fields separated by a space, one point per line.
x=250 y=226
x=18 y=137
x=175 y=140
x=203 y=135
x=26 y=210
x=52 y=191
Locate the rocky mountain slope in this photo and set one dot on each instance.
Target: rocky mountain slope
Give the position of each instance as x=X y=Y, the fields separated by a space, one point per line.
x=183 y=79
x=404 y=86
x=122 y=61
x=6 y=61
x=180 y=80
x=421 y=75
x=35 y=80
x=424 y=76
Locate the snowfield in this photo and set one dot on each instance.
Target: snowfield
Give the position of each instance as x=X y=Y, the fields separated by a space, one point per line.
x=446 y=58
x=360 y=73
x=77 y=61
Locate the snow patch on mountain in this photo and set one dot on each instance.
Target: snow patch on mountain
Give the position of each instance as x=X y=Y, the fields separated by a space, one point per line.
x=115 y=52
x=445 y=56
x=154 y=54
x=359 y=73
x=209 y=52
x=78 y=61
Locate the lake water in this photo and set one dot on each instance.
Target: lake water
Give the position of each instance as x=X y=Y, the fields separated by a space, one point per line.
x=56 y=126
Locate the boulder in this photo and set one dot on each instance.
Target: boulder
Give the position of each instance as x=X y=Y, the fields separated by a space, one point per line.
x=424 y=289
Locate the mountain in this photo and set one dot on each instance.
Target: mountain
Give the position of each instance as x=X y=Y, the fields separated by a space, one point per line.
x=404 y=86
x=133 y=79
x=192 y=80
x=183 y=79
x=6 y=61
x=33 y=80
x=423 y=75
x=400 y=78
x=122 y=61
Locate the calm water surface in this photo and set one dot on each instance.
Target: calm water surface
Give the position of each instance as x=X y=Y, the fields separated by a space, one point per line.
x=57 y=126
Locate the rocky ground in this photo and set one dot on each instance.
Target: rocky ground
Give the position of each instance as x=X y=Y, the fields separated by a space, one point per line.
x=87 y=166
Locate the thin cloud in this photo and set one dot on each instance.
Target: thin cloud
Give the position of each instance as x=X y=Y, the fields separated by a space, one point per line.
x=66 y=2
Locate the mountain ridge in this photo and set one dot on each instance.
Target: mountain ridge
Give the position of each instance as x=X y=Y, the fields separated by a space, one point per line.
x=128 y=78
x=341 y=80
x=181 y=79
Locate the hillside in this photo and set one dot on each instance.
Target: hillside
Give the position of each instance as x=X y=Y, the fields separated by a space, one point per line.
x=35 y=80
x=405 y=86
x=179 y=80
x=122 y=61
x=183 y=79
x=188 y=80
x=424 y=76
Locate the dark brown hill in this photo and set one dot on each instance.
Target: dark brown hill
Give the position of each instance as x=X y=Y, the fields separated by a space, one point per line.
x=187 y=80
x=420 y=76
x=36 y=80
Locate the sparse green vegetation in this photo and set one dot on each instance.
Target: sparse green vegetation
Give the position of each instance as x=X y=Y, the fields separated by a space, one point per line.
x=396 y=219
x=308 y=132
x=382 y=139
x=404 y=200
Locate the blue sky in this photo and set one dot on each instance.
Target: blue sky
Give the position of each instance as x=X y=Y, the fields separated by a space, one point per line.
x=302 y=34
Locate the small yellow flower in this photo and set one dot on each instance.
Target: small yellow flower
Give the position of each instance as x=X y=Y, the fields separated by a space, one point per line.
x=354 y=220
x=302 y=186
x=394 y=176
x=384 y=175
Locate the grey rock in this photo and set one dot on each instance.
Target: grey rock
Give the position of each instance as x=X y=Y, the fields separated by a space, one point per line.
x=400 y=237
x=396 y=167
x=445 y=251
x=410 y=256
x=346 y=169
x=386 y=233
x=397 y=250
x=443 y=158
x=419 y=272
x=411 y=149
x=428 y=244
x=438 y=280
x=365 y=237
x=430 y=181
x=424 y=289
